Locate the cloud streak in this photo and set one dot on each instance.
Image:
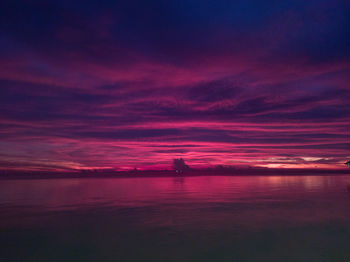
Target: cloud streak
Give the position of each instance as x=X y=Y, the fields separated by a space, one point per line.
x=129 y=84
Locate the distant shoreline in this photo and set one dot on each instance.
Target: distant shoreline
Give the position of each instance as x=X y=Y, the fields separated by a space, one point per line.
x=171 y=173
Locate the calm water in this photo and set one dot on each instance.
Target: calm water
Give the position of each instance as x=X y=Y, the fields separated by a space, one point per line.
x=305 y=218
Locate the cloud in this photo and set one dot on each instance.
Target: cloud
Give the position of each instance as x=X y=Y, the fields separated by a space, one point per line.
x=131 y=83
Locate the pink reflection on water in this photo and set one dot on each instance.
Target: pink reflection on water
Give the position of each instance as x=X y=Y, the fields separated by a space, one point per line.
x=251 y=202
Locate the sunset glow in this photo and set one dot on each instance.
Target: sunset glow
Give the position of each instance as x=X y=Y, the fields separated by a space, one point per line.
x=110 y=86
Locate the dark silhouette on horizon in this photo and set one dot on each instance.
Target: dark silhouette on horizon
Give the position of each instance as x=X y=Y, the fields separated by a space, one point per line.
x=179 y=165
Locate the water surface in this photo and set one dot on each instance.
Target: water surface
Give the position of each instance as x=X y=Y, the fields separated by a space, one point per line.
x=255 y=218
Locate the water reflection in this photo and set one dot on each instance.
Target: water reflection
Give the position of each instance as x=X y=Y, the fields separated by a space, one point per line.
x=177 y=213
x=64 y=194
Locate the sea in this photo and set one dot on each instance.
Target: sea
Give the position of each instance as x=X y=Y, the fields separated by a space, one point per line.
x=184 y=219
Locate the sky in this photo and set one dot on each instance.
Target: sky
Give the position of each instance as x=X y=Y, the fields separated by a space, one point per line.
x=125 y=84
